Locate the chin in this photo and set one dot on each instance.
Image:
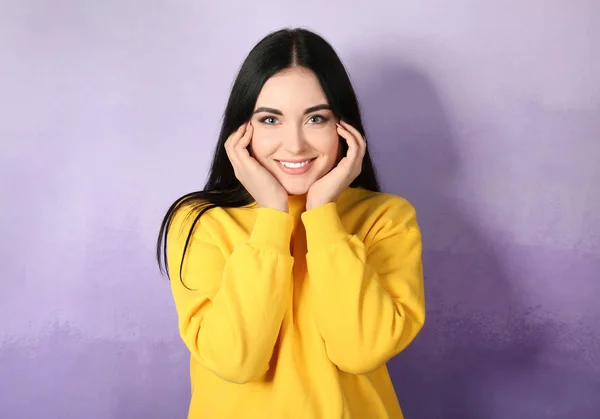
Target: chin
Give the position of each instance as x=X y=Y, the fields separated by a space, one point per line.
x=299 y=188
x=296 y=190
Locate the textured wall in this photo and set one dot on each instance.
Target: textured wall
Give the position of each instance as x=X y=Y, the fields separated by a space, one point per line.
x=486 y=115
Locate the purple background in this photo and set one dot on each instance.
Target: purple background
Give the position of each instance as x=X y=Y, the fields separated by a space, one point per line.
x=486 y=115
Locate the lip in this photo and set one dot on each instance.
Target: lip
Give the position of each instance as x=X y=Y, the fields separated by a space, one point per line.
x=298 y=170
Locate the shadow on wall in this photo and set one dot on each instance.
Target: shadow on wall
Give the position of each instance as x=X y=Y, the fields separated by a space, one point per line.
x=477 y=334
x=64 y=375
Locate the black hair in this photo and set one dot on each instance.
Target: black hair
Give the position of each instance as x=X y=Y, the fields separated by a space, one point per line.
x=277 y=51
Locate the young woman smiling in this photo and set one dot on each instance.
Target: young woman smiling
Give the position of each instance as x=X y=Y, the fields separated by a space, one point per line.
x=295 y=278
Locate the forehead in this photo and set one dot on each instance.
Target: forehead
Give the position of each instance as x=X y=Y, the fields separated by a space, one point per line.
x=293 y=90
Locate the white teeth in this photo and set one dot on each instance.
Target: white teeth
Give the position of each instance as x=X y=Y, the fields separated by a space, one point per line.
x=294 y=165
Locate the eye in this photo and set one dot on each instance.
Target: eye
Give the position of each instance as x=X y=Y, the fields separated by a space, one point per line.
x=269 y=120
x=317 y=119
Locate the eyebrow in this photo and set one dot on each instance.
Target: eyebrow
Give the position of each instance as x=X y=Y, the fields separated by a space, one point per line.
x=315 y=108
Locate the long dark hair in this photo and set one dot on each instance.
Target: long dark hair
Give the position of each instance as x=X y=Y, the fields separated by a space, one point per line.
x=277 y=51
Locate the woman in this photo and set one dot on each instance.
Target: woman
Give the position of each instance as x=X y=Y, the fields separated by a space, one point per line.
x=294 y=278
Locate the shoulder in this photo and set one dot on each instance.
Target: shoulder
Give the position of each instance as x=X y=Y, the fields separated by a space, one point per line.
x=191 y=216
x=379 y=207
x=204 y=222
x=184 y=218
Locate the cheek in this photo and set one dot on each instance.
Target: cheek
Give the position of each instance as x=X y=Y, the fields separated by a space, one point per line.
x=329 y=145
x=261 y=145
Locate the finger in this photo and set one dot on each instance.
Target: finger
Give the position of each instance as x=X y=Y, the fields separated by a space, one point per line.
x=241 y=148
x=244 y=141
x=356 y=151
x=362 y=143
x=230 y=146
x=352 y=142
x=235 y=136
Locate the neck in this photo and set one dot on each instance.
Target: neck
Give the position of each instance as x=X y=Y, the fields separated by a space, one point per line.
x=296 y=204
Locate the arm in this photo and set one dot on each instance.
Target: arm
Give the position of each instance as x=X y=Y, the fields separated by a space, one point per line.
x=369 y=302
x=230 y=316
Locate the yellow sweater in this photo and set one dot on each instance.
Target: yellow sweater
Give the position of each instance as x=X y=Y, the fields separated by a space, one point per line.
x=294 y=315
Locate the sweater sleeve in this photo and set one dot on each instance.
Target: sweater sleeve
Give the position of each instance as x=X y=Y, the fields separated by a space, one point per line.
x=230 y=308
x=369 y=302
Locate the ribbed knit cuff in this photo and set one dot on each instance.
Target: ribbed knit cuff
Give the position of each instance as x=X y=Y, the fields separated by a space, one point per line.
x=323 y=226
x=273 y=228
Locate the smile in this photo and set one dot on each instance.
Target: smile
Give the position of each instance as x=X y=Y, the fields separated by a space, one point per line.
x=295 y=168
x=295 y=165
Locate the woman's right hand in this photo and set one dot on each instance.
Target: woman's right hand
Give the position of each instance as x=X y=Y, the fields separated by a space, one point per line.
x=262 y=185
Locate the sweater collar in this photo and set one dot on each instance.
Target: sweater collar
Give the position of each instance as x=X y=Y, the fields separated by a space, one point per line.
x=297 y=204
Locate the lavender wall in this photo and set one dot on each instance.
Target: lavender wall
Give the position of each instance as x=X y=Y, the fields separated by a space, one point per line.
x=485 y=114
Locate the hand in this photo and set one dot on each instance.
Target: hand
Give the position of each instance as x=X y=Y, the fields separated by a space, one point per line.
x=264 y=188
x=329 y=187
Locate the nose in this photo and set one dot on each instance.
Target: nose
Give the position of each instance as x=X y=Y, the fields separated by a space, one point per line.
x=293 y=141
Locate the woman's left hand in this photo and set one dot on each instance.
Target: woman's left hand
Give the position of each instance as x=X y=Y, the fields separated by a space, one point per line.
x=329 y=187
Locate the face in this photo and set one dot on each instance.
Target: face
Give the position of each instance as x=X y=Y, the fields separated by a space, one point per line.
x=295 y=136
